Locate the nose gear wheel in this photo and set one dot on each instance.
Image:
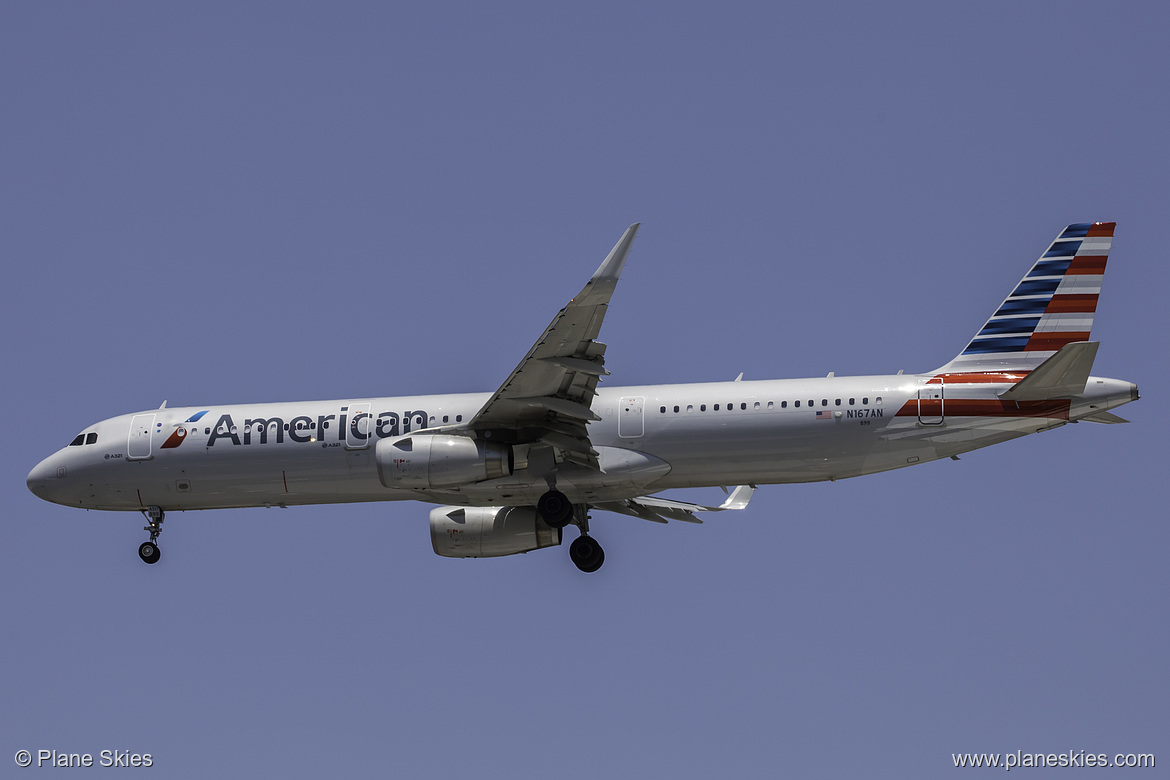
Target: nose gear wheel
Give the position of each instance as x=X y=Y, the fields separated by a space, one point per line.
x=148 y=551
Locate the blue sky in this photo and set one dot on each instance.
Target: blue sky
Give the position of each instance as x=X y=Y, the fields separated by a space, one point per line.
x=260 y=202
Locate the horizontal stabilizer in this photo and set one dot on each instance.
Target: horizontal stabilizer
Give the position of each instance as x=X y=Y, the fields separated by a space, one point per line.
x=660 y=510
x=1108 y=418
x=1063 y=375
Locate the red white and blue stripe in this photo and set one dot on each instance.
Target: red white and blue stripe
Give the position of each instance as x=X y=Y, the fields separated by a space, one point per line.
x=1053 y=305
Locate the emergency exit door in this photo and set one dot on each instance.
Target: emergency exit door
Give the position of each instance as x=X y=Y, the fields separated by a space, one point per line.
x=930 y=402
x=631 y=423
x=141 y=429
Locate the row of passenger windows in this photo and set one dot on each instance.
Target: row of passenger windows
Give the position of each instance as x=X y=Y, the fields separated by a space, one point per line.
x=84 y=438
x=772 y=404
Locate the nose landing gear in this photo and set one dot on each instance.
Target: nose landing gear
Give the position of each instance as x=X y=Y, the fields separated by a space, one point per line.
x=148 y=551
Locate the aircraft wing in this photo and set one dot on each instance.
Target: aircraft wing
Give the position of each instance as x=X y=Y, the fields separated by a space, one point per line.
x=547 y=397
x=660 y=510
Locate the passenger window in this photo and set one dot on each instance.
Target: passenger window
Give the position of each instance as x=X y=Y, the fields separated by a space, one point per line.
x=715 y=408
x=796 y=404
x=865 y=401
x=703 y=407
x=771 y=405
x=811 y=402
x=690 y=407
x=77 y=442
x=878 y=400
x=756 y=405
x=662 y=410
x=458 y=418
x=445 y=418
x=824 y=402
x=851 y=401
x=743 y=406
x=783 y=404
x=837 y=402
x=676 y=409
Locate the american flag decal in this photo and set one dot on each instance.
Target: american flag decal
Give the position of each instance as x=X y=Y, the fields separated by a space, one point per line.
x=824 y=415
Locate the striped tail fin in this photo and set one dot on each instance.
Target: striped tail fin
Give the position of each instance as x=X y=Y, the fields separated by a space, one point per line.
x=1052 y=306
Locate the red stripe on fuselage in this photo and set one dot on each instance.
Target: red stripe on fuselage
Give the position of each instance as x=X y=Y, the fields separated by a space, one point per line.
x=992 y=407
x=982 y=378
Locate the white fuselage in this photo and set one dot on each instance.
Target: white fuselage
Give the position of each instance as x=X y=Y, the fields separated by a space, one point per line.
x=650 y=438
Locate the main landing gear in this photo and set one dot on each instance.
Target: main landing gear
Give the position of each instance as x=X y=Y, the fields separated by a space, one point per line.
x=586 y=553
x=556 y=510
x=148 y=551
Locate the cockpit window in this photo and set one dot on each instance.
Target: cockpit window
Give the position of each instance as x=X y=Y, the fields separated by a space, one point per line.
x=78 y=441
x=91 y=438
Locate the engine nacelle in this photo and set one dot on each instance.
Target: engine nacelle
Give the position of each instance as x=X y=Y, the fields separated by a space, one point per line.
x=489 y=531
x=439 y=460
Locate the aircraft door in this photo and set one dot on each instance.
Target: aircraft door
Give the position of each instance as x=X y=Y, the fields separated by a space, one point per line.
x=930 y=402
x=631 y=423
x=141 y=429
x=360 y=428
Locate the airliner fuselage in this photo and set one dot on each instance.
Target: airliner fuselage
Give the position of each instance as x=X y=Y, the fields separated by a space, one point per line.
x=686 y=435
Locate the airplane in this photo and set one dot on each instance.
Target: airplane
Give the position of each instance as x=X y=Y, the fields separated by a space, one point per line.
x=511 y=469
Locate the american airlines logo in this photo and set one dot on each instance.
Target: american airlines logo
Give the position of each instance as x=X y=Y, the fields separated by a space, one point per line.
x=180 y=434
x=303 y=428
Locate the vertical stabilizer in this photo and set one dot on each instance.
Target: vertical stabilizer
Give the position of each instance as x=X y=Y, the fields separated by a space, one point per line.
x=1051 y=307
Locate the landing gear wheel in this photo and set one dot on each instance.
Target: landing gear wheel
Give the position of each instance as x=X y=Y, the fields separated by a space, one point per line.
x=586 y=553
x=555 y=509
x=148 y=551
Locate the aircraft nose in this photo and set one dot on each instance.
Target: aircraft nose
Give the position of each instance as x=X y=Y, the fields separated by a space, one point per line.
x=39 y=478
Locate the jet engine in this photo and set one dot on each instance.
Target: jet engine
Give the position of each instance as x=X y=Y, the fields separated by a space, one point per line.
x=489 y=531
x=438 y=461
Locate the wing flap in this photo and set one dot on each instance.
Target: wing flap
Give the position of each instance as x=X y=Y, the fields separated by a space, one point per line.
x=658 y=510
